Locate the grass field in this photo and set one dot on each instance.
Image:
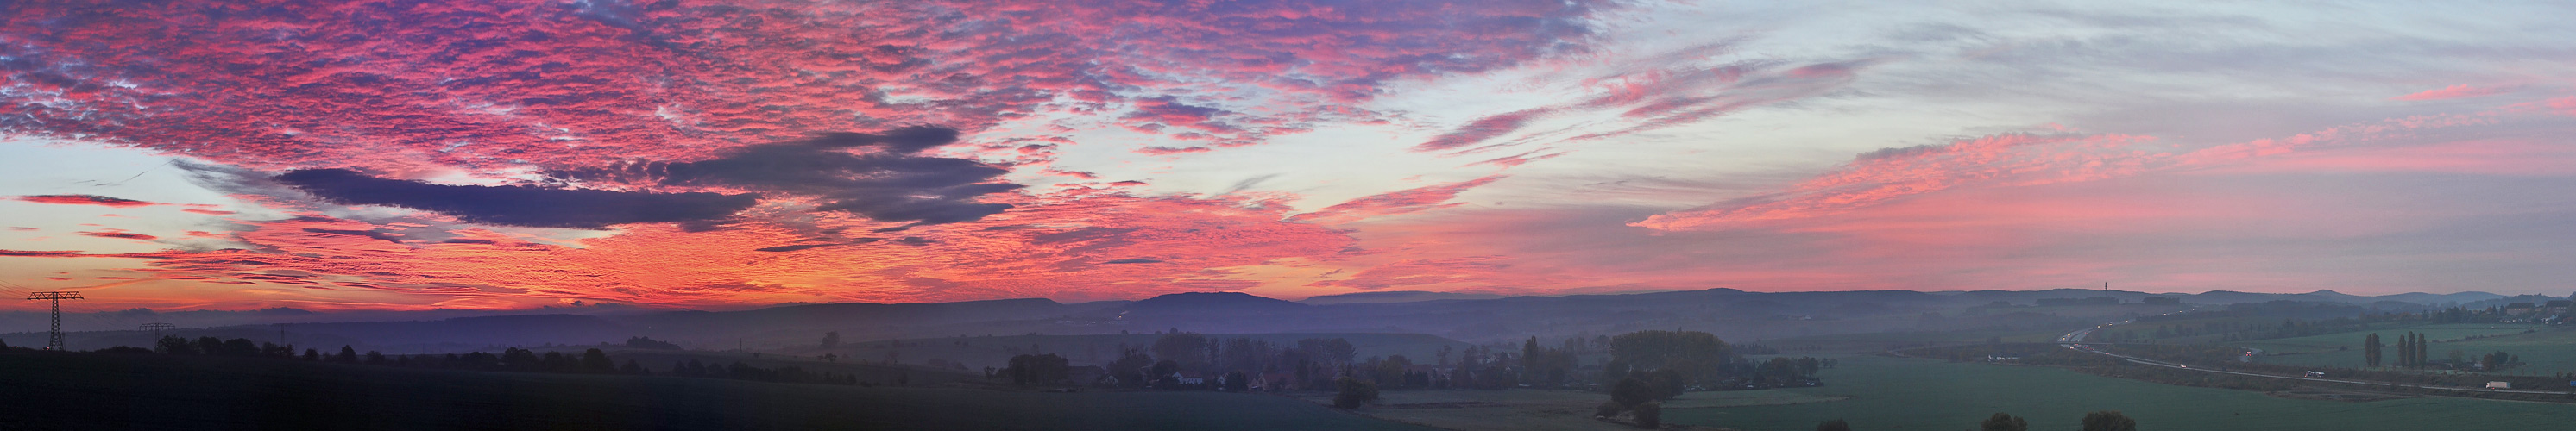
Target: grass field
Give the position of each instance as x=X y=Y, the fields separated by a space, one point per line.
x=1535 y=409
x=2546 y=350
x=1882 y=341
x=88 y=391
x=1896 y=393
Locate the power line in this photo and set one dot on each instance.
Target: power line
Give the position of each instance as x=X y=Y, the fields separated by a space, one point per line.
x=55 y=342
x=156 y=328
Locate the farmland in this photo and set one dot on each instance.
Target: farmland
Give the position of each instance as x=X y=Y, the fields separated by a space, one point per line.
x=995 y=351
x=2543 y=349
x=1535 y=409
x=96 y=391
x=1888 y=393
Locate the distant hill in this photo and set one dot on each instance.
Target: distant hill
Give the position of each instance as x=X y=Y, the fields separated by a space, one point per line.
x=1211 y=303
x=1730 y=313
x=1393 y=297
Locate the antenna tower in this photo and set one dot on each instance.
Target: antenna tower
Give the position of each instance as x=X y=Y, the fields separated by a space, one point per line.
x=156 y=328
x=56 y=341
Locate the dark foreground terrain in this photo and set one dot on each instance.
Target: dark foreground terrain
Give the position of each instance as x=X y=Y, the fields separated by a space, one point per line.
x=98 y=391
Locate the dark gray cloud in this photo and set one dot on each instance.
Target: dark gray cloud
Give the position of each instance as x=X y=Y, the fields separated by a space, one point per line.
x=886 y=183
x=517 y=205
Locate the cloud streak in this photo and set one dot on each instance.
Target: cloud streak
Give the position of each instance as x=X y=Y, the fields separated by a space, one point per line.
x=86 y=200
x=517 y=205
x=2009 y=160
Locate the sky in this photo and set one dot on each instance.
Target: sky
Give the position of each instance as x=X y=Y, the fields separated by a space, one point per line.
x=406 y=155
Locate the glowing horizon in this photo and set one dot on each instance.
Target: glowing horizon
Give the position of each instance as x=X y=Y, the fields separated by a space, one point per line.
x=413 y=155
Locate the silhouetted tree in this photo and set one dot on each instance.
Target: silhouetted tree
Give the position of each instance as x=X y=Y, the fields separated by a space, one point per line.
x=649 y=343
x=1630 y=392
x=1833 y=425
x=375 y=358
x=2109 y=420
x=831 y=339
x=1130 y=368
x=210 y=346
x=596 y=361
x=1353 y=393
x=1695 y=355
x=2004 y=422
x=633 y=368
x=1237 y=381
x=2370 y=350
x=172 y=344
x=1187 y=348
x=1330 y=350
x=312 y=355
x=240 y=347
x=557 y=362
x=347 y=355
x=1044 y=369
x=1650 y=414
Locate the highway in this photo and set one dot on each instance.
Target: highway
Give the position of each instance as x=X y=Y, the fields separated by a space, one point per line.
x=2075 y=340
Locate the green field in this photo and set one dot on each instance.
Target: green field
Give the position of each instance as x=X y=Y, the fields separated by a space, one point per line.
x=2546 y=350
x=1896 y=393
x=1882 y=341
x=94 y=391
x=1536 y=409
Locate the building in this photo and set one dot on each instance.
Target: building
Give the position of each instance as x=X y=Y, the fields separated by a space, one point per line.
x=2520 y=308
x=1276 y=381
x=1091 y=375
x=2499 y=385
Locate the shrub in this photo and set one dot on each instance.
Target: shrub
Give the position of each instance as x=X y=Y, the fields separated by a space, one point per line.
x=1632 y=391
x=1608 y=409
x=2004 y=422
x=2109 y=420
x=1650 y=414
x=1354 y=393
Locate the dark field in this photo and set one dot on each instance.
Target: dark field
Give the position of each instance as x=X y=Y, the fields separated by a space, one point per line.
x=1897 y=393
x=92 y=391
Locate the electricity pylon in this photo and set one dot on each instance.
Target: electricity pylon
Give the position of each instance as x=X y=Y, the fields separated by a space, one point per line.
x=156 y=328
x=55 y=343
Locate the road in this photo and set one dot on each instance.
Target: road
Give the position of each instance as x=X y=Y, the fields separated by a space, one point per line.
x=2072 y=339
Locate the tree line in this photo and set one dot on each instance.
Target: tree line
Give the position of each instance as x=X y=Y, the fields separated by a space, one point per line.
x=1647 y=367
x=2414 y=351
x=511 y=359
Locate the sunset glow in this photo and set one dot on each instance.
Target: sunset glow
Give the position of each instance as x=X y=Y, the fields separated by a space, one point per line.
x=408 y=155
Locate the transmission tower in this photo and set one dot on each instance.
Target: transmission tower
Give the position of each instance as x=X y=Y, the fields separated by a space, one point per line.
x=55 y=343
x=156 y=328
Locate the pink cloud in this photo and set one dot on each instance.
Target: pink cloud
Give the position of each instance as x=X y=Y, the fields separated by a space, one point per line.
x=118 y=233
x=1481 y=130
x=2461 y=91
x=489 y=86
x=2009 y=160
x=1393 y=203
x=86 y=200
